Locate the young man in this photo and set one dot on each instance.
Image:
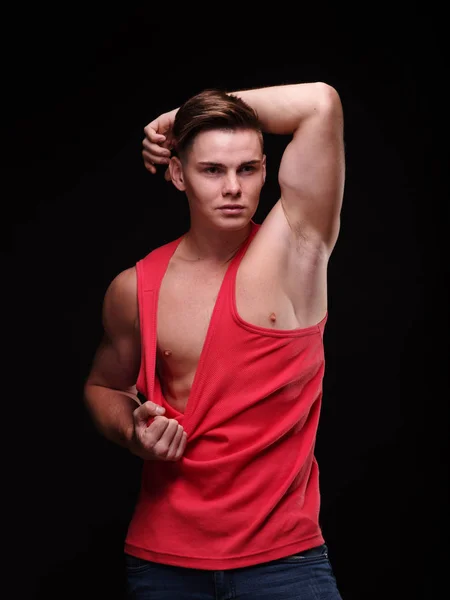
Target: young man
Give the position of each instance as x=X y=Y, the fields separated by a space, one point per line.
x=221 y=332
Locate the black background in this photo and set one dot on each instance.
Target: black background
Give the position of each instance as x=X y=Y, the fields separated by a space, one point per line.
x=79 y=85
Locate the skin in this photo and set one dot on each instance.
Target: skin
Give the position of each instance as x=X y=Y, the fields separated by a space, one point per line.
x=222 y=167
x=281 y=281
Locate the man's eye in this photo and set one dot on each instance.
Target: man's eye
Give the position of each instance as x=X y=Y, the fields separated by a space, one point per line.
x=248 y=169
x=212 y=170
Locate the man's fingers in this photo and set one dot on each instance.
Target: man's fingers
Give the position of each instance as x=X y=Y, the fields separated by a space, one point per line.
x=182 y=446
x=152 y=135
x=174 y=446
x=150 y=167
x=158 y=142
x=162 y=446
x=153 y=155
x=146 y=410
x=155 y=149
x=163 y=439
x=155 y=431
x=155 y=158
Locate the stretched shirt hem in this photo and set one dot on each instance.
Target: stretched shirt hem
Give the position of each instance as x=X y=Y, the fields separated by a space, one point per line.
x=224 y=563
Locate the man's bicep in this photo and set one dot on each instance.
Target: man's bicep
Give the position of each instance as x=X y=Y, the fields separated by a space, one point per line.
x=312 y=172
x=116 y=365
x=117 y=359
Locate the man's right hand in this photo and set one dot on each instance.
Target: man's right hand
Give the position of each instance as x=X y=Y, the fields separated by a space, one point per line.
x=164 y=439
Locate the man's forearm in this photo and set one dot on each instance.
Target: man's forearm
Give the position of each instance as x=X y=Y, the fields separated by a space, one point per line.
x=281 y=109
x=112 y=412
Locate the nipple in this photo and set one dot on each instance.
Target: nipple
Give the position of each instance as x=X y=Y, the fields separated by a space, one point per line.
x=273 y=317
x=167 y=352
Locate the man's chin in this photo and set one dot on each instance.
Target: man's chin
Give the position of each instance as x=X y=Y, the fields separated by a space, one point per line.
x=232 y=223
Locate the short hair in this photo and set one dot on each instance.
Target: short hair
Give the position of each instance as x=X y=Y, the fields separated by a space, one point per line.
x=212 y=109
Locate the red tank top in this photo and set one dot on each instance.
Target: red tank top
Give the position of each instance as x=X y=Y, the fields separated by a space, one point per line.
x=246 y=490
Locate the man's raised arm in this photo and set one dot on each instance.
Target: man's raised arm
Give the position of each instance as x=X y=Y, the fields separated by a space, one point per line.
x=312 y=170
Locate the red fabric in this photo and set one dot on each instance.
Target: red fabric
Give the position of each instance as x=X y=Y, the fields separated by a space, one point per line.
x=247 y=488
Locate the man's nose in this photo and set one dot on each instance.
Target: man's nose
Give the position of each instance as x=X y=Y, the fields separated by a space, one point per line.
x=231 y=186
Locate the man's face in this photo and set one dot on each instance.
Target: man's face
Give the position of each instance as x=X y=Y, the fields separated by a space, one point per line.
x=222 y=174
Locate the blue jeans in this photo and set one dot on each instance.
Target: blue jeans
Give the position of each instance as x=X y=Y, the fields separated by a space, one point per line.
x=304 y=576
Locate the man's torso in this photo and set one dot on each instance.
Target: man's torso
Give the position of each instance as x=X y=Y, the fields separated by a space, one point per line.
x=272 y=290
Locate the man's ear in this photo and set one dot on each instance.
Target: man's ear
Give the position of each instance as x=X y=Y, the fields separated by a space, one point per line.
x=176 y=173
x=264 y=168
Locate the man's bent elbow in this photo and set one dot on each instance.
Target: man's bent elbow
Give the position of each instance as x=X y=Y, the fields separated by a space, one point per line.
x=328 y=102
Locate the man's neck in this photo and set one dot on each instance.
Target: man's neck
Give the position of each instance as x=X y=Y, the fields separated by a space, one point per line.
x=213 y=246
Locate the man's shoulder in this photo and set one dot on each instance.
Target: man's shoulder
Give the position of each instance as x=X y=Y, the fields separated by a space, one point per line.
x=124 y=282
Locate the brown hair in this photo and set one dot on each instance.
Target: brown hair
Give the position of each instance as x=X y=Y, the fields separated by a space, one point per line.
x=211 y=109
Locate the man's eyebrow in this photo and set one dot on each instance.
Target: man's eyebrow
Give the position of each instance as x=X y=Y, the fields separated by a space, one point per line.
x=216 y=164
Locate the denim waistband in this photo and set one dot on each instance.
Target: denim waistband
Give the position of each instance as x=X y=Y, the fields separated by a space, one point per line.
x=316 y=551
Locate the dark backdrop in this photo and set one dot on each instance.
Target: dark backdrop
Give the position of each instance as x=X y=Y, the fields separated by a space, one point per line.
x=78 y=207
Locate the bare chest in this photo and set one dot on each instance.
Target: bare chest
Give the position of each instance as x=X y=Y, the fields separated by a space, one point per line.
x=185 y=307
x=186 y=303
